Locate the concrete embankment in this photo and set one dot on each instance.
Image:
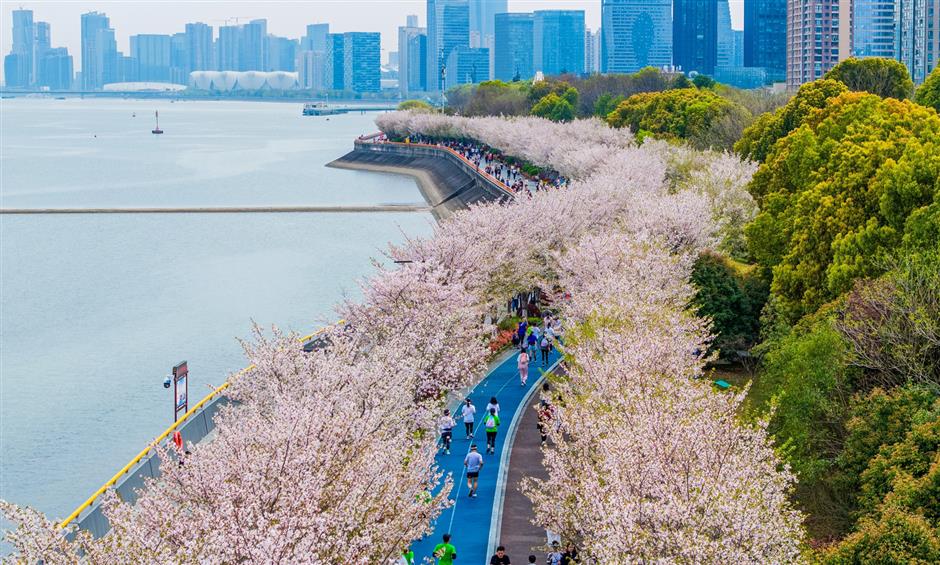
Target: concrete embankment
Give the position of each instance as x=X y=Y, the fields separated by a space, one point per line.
x=447 y=183
x=223 y=210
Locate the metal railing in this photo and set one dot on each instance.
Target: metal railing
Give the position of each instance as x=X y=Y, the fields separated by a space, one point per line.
x=142 y=457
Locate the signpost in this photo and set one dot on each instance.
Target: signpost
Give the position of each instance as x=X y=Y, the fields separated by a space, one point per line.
x=180 y=390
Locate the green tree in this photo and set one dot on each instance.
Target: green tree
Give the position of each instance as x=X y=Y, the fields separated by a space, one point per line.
x=415 y=105
x=760 y=137
x=606 y=104
x=683 y=114
x=732 y=296
x=703 y=81
x=836 y=195
x=929 y=93
x=899 y=538
x=555 y=108
x=885 y=77
x=497 y=98
x=681 y=81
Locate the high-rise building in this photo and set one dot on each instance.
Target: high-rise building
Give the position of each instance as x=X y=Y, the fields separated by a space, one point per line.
x=335 y=61
x=362 y=61
x=228 y=48
x=558 y=39
x=918 y=25
x=765 y=36
x=316 y=38
x=99 y=51
x=42 y=37
x=253 y=45
x=281 y=54
x=695 y=35
x=312 y=67
x=153 y=57
x=198 y=47
x=737 y=54
x=179 y=58
x=467 y=65
x=55 y=69
x=873 y=28
x=819 y=35
x=412 y=58
x=635 y=34
x=592 y=51
x=513 y=46
x=482 y=16
x=448 y=29
x=23 y=62
x=411 y=20
x=725 y=37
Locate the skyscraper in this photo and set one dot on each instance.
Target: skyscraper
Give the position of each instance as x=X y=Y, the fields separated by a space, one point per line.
x=198 y=47
x=482 y=17
x=467 y=65
x=312 y=67
x=695 y=35
x=635 y=34
x=448 y=28
x=281 y=53
x=228 y=48
x=918 y=25
x=765 y=36
x=253 y=52
x=362 y=61
x=19 y=64
x=592 y=51
x=316 y=38
x=558 y=39
x=55 y=69
x=153 y=57
x=412 y=58
x=819 y=35
x=99 y=51
x=873 y=28
x=725 y=37
x=335 y=61
x=513 y=45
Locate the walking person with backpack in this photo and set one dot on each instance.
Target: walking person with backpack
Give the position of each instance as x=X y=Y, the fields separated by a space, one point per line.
x=467 y=413
x=522 y=362
x=546 y=347
x=491 y=422
x=473 y=462
x=447 y=424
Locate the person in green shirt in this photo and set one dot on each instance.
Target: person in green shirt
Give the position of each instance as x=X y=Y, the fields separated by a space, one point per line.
x=407 y=557
x=491 y=421
x=445 y=552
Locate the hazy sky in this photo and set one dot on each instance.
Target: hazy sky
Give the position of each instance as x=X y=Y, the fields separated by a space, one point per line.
x=285 y=18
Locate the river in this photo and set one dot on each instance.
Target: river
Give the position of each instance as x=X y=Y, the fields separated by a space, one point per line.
x=96 y=309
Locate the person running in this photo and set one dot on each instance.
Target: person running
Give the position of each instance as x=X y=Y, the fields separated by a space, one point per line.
x=447 y=424
x=494 y=404
x=407 y=557
x=467 y=412
x=545 y=415
x=445 y=552
x=491 y=422
x=473 y=462
x=500 y=557
x=522 y=362
x=554 y=556
x=546 y=347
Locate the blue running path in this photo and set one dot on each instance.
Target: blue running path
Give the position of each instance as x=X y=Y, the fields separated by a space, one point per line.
x=468 y=520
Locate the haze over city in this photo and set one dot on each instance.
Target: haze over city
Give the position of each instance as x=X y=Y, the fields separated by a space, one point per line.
x=287 y=19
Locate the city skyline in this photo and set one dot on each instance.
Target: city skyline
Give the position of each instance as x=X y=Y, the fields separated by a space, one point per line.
x=287 y=19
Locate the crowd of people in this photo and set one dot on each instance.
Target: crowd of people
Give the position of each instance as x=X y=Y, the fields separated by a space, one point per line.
x=446 y=552
x=494 y=164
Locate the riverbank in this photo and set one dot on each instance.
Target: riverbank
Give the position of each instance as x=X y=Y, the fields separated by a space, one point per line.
x=223 y=210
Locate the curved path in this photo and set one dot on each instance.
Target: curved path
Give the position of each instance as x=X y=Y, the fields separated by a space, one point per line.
x=471 y=520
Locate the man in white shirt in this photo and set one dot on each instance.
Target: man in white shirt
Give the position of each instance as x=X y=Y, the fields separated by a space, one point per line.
x=467 y=412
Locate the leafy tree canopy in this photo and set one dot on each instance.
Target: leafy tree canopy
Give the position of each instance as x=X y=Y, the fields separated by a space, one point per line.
x=841 y=193
x=885 y=77
x=929 y=93
x=415 y=105
x=703 y=81
x=760 y=137
x=732 y=296
x=555 y=108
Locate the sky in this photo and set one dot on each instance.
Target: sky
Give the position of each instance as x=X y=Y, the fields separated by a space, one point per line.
x=285 y=18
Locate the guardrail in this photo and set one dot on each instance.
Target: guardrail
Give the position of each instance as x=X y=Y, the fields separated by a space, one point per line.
x=372 y=140
x=142 y=465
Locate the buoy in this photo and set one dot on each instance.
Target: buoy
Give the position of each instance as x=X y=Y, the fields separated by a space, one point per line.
x=178 y=440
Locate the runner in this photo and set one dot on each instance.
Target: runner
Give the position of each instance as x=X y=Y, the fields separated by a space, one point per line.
x=494 y=404
x=447 y=424
x=467 y=412
x=533 y=343
x=445 y=552
x=407 y=557
x=491 y=422
x=522 y=362
x=500 y=557
x=473 y=462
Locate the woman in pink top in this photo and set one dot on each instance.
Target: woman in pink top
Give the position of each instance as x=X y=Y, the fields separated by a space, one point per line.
x=523 y=364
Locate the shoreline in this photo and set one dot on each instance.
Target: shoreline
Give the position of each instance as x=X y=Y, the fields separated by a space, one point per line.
x=224 y=210
x=430 y=190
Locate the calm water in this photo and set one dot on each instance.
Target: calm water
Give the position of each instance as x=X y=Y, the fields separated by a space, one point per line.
x=97 y=308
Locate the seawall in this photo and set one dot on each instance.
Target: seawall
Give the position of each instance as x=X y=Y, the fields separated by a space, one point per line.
x=447 y=181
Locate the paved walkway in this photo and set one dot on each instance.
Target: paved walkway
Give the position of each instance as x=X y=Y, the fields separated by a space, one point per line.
x=469 y=519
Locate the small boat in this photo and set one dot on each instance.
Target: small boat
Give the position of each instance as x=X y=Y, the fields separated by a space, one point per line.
x=320 y=109
x=157 y=129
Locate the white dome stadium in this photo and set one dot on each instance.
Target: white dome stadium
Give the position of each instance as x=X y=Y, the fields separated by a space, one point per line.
x=227 y=81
